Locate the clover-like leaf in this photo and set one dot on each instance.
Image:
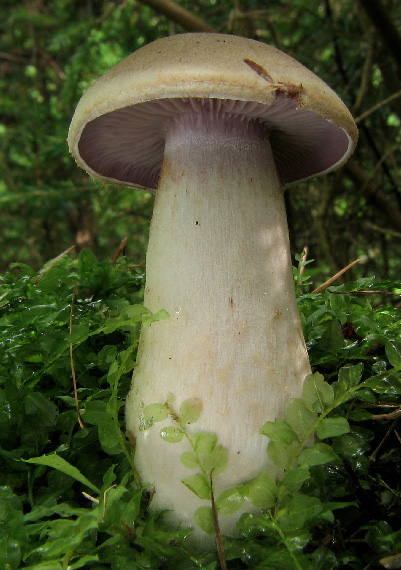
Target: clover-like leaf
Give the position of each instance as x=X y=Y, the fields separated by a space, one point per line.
x=155 y=413
x=199 y=485
x=316 y=393
x=350 y=375
x=231 y=500
x=317 y=454
x=298 y=510
x=216 y=461
x=279 y=431
x=190 y=410
x=332 y=427
x=189 y=460
x=301 y=419
x=172 y=434
x=281 y=454
x=203 y=517
x=204 y=442
x=262 y=491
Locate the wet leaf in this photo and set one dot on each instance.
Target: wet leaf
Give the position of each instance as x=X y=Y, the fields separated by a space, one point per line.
x=172 y=434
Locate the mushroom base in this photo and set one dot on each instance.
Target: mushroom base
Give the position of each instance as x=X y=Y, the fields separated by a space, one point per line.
x=218 y=262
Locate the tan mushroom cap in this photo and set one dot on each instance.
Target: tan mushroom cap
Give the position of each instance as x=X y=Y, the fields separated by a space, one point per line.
x=203 y=66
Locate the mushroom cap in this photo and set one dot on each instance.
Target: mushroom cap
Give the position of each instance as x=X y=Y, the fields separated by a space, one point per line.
x=118 y=130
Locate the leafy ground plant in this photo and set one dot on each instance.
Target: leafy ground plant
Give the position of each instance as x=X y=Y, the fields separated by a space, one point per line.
x=70 y=497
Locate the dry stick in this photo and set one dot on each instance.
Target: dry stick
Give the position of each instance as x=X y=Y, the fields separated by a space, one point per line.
x=304 y=258
x=376 y=194
x=120 y=250
x=378 y=106
x=74 y=377
x=391 y=416
x=366 y=72
x=336 y=276
x=179 y=15
x=385 y=27
x=373 y=455
x=217 y=532
x=363 y=292
x=53 y=262
x=383 y=230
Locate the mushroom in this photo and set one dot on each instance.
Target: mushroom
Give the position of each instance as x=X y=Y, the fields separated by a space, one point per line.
x=218 y=125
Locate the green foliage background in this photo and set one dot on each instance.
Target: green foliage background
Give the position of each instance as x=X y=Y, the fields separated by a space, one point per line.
x=341 y=506
x=70 y=496
x=50 y=51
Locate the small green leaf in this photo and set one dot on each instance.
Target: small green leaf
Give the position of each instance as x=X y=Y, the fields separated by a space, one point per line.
x=332 y=338
x=317 y=454
x=189 y=460
x=279 y=431
x=78 y=334
x=199 y=485
x=190 y=410
x=216 y=461
x=299 y=417
x=393 y=353
x=262 y=491
x=231 y=500
x=332 y=427
x=37 y=405
x=84 y=561
x=155 y=413
x=281 y=454
x=350 y=375
x=204 y=442
x=294 y=479
x=203 y=517
x=114 y=373
x=316 y=393
x=172 y=434
x=298 y=511
x=108 y=434
x=57 y=462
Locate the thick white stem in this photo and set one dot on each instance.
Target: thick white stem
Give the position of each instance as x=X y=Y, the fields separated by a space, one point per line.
x=218 y=262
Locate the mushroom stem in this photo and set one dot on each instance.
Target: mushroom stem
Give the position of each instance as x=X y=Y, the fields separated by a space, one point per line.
x=218 y=262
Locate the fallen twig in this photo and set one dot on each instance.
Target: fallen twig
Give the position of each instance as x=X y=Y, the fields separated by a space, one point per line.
x=74 y=377
x=336 y=276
